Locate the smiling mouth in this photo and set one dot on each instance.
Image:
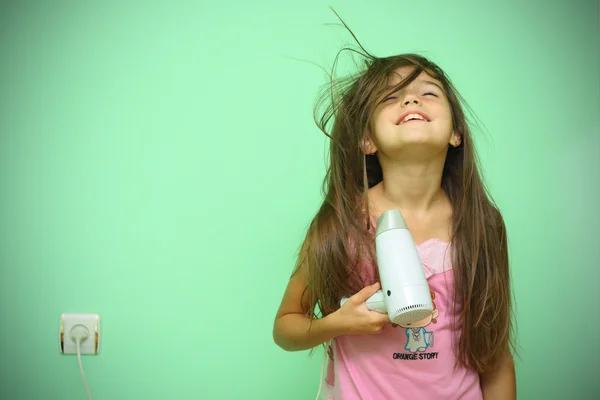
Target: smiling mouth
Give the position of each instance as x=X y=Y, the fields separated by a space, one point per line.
x=413 y=117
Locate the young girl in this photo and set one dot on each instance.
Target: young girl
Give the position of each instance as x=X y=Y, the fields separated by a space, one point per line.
x=400 y=140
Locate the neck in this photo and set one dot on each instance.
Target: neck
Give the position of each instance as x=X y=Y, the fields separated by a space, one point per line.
x=413 y=186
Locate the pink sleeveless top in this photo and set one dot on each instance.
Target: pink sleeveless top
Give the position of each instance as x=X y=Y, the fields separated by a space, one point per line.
x=415 y=362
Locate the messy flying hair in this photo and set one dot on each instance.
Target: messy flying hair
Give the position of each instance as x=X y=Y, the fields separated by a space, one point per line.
x=479 y=241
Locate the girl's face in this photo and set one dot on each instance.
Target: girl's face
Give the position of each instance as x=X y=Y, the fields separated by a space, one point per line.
x=418 y=117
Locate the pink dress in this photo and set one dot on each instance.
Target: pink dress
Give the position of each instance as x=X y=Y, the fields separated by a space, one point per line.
x=406 y=362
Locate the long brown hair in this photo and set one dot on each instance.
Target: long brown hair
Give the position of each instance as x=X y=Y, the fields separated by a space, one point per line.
x=339 y=236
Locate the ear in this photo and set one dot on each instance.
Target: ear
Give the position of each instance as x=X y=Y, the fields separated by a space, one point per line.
x=367 y=145
x=455 y=139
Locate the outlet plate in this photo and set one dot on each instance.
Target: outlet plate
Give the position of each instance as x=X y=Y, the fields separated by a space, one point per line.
x=89 y=346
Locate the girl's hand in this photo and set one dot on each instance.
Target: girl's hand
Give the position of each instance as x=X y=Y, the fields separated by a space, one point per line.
x=354 y=317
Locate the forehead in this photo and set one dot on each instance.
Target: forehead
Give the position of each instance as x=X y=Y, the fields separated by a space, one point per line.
x=402 y=72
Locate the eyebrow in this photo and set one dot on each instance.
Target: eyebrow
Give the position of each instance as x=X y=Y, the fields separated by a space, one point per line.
x=421 y=81
x=433 y=83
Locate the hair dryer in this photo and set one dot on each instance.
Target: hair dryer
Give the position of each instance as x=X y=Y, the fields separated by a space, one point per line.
x=404 y=293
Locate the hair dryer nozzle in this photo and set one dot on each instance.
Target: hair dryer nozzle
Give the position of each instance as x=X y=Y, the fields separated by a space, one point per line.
x=391 y=219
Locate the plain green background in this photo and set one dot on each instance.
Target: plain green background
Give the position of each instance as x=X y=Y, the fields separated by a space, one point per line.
x=159 y=165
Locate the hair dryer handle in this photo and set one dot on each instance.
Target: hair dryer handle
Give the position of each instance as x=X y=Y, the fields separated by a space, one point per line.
x=374 y=303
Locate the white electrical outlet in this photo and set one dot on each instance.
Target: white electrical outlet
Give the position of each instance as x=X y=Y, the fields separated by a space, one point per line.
x=91 y=345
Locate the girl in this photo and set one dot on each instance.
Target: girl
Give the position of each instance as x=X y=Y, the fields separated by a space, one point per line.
x=400 y=140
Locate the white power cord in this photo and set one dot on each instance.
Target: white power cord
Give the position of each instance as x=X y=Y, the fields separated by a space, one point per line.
x=322 y=378
x=79 y=333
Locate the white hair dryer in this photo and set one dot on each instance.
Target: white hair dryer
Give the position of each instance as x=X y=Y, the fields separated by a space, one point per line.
x=404 y=293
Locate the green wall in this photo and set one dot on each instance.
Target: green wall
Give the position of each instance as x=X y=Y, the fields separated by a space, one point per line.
x=159 y=164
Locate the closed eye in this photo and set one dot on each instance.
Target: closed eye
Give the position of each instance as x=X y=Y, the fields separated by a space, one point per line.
x=394 y=97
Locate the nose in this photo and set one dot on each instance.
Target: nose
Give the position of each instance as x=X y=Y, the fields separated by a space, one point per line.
x=410 y=98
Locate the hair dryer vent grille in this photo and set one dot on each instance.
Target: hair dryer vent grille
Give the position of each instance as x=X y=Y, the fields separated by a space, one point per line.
x=410 y=314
